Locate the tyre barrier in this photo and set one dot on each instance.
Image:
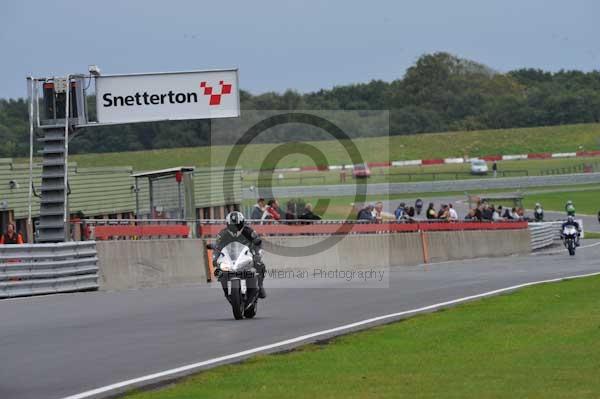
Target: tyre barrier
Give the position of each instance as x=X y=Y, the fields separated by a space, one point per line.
x=36 y=269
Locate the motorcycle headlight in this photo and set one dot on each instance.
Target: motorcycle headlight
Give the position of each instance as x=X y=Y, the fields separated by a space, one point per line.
x=225 y=267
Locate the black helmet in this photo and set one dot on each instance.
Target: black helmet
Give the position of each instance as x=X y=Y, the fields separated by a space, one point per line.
x=235 y=222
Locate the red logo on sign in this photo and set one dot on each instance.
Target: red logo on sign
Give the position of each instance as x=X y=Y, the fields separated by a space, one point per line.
x=215 y=98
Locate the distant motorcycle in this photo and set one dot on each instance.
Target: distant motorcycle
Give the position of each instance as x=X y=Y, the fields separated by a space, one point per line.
x=569 y=236
x=239 y=279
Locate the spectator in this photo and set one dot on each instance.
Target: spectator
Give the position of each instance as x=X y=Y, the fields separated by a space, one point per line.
x=308 y=213
x=496 y=215
x=272 y=211
x=411 y=212
x=400 y=212
x=366 y=213
x=478 y=213
x=419 y=205
x=431 y=213
x=258 y=209
x=11 y=236
x=290 y=212
x=508 y=214
x=378 y=212
x=443 y=214
x=471 y=215
x=487 y=213
x=495 y=169
x=452 y=214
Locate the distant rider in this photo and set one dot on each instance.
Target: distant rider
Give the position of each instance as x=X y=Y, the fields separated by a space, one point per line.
x=571 y=222
x=237 y=230
x=538 y=213
x=570 y=208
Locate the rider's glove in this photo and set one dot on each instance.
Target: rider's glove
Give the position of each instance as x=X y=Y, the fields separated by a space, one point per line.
x=217 y=272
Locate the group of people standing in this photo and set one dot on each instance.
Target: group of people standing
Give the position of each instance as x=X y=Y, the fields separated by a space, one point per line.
x=269 y=210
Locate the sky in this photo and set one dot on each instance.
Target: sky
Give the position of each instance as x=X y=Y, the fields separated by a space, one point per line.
x=278 y=44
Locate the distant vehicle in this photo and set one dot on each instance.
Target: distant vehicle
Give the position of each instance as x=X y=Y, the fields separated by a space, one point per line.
x=361 y=170
x=479 y=167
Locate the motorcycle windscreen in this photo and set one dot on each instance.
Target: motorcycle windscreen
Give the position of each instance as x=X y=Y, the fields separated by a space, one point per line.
x=234 y=250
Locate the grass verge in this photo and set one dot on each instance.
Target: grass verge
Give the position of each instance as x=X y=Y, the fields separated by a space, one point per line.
x=586 y=202
x=540 y=342
x=567 y=138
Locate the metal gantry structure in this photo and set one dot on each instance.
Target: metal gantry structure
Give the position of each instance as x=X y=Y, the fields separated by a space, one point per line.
x=61 y=109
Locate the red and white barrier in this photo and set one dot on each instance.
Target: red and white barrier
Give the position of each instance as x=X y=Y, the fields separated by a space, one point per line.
x=445 y=161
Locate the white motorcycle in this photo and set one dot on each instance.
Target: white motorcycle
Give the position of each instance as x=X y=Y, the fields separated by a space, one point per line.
x=239 y=279
x=569 y=236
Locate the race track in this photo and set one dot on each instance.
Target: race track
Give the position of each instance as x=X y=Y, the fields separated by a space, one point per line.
x=62 y=345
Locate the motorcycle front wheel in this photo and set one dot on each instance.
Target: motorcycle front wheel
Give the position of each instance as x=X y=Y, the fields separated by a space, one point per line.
x=572 y=248
x=237 y=304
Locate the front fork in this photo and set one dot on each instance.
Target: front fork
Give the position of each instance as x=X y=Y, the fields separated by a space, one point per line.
x=226 y=285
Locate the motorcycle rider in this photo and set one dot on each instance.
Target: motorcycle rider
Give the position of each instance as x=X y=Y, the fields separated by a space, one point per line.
x=570 y=208
x=238 y=230
x=538 y=213
x=571 y=222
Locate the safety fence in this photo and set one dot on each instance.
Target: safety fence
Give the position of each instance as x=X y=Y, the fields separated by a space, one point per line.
x=134 y=229
x=35 y=269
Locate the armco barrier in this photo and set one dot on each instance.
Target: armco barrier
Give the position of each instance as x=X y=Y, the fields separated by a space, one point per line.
x=128 y=264
x=546 y=234
x=34 y=269
x=543 y=235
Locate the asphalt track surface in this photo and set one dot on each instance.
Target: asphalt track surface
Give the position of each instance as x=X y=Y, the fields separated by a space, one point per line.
x=61 y=345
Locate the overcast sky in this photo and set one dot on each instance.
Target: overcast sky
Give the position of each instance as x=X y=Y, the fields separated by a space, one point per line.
x=277 y=44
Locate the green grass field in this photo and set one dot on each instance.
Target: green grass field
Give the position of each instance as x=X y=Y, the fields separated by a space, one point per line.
x=586 y=202
x=566 y=138
x=425 y=173
x=540 y=342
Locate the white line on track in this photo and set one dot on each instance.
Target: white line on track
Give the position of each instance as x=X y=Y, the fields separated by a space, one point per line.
x=302 y=338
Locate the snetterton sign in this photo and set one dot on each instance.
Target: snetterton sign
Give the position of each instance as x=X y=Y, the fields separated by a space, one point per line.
x=167 y=96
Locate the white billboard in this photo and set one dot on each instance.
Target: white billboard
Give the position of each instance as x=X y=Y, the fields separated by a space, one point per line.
x=167 y=96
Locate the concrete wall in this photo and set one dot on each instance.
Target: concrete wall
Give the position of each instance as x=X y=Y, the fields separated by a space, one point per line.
x=455 y=245
x=405 y=249
x=353 y=251
x=151 y=263
x=127 y=264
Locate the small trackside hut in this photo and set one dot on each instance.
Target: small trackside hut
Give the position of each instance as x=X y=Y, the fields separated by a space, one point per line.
x=169 y=194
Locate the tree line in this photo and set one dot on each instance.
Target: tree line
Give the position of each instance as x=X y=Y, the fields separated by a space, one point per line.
x=440 y=92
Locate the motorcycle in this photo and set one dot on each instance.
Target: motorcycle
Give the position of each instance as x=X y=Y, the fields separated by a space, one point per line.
x=239 y=279
x=569 y=236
